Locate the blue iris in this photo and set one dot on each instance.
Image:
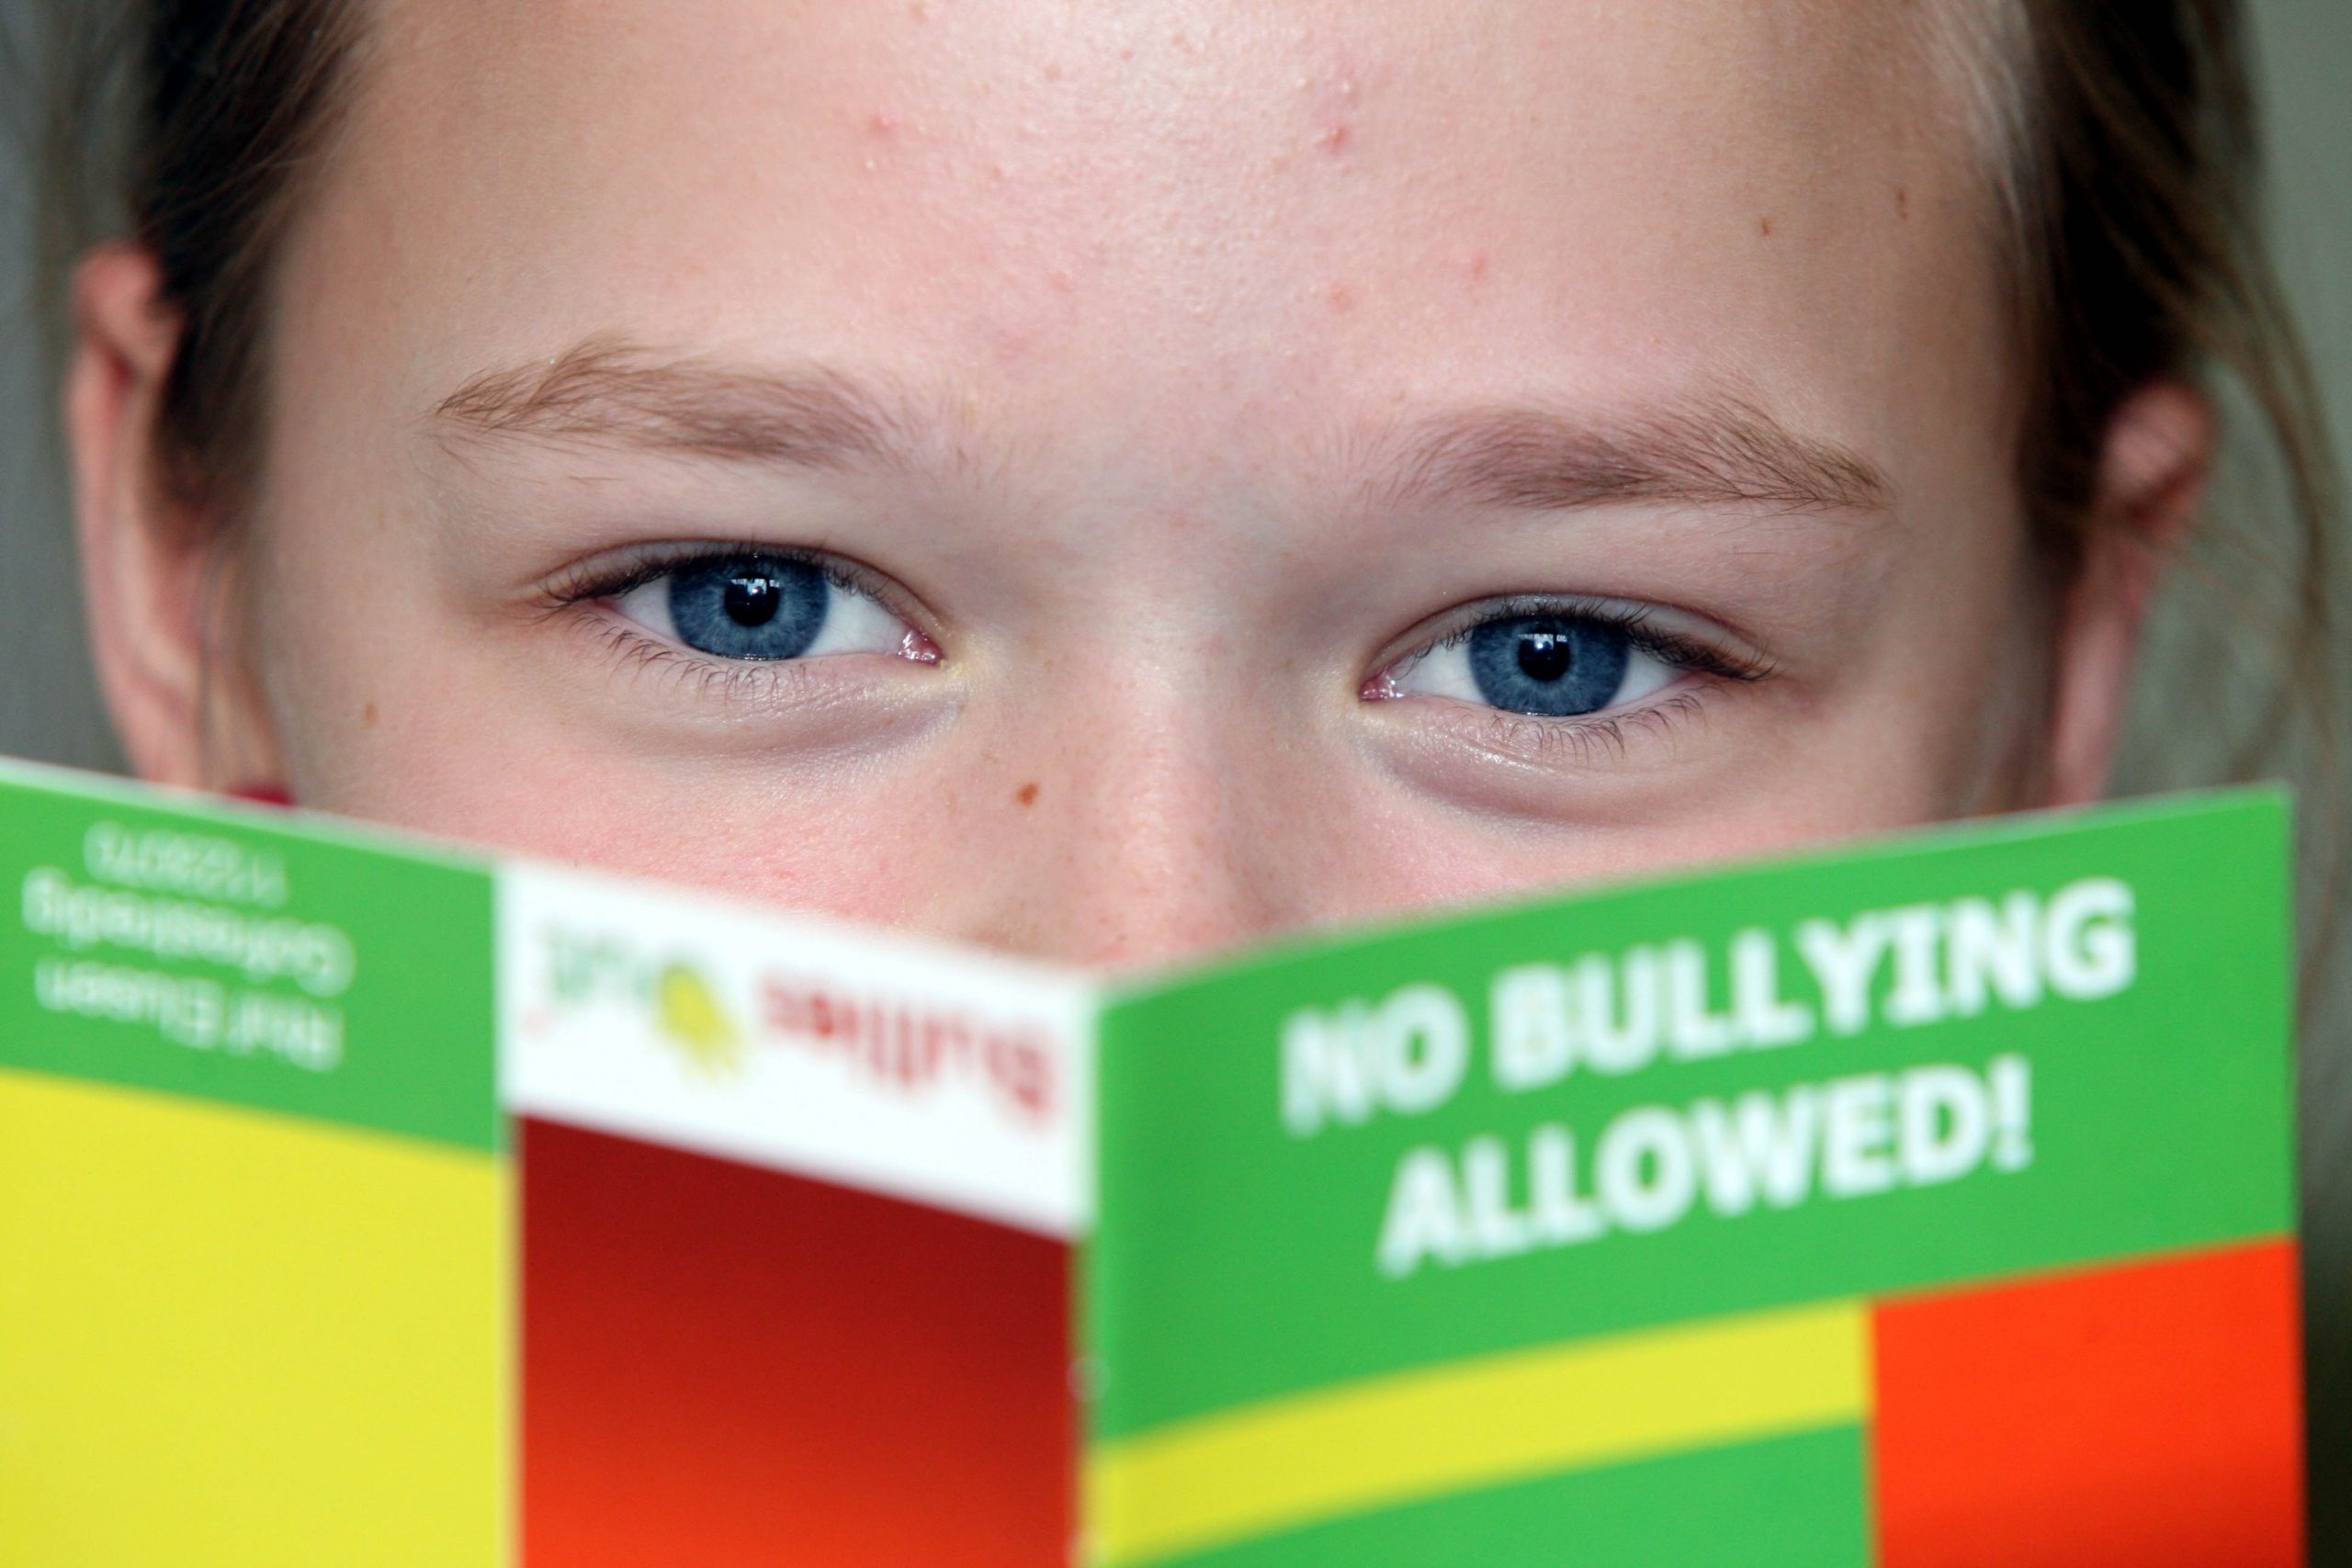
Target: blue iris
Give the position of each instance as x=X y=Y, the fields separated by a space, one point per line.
x=748 y=607
x=1552 y=666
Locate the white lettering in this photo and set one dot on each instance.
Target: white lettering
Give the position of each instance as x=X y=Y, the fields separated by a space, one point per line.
x=1643 y=1171
x=1857 y=1129
x=1424 y=1216
x=2088 y=946
x=1762 y=1144
x=1843 y=960
x=1534 y=1044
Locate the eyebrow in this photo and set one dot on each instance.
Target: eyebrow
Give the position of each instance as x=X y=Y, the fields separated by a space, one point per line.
x=1712 y=451
x=608 y=391
x=1719 y=450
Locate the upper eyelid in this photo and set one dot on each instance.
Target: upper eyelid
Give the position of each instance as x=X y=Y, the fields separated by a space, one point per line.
x=1463 y=618
x=640 y=564
x=602 y=577
x=1650 y=625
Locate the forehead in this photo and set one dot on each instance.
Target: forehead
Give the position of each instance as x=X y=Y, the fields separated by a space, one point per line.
x=1266 y=199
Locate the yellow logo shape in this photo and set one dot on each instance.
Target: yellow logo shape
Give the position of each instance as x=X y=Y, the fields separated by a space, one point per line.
x=686 y=1012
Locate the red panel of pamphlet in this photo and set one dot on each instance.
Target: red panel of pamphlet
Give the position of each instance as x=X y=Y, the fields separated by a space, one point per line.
x=2143 y=1417
x=725 y=1365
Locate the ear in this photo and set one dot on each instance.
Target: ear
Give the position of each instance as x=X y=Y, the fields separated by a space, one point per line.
x=2154 y=472
x=156 y=580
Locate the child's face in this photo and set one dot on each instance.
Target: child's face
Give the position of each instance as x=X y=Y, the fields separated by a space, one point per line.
x=1162 y=380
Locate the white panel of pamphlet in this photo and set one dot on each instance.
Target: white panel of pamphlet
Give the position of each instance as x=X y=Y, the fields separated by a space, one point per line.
x=874 y=1061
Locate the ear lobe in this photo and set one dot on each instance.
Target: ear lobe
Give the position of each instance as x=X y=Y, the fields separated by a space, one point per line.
x=152 y=576
x=2154 y=471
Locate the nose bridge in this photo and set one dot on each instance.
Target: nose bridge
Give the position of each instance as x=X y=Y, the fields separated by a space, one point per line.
x=1140 y=841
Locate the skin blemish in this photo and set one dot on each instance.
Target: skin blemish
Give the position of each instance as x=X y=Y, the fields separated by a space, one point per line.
x=1764 y=227
x=1342 y=298
x=368 y=717
x=1053 y=70
x=1334 y=101
x=1903 y=203
x=1026 y=795
x=1476 y=265
x=882 y=123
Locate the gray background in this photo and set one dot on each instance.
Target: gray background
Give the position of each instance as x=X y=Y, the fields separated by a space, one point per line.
x=48 y=708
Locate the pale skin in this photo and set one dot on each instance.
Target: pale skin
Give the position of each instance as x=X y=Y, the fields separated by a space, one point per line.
x=1164 y=378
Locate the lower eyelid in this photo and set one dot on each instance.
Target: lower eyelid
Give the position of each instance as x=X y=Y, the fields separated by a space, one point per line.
x=673 y=697
x=700 y=687
x=1535 y=741
x=637 y=650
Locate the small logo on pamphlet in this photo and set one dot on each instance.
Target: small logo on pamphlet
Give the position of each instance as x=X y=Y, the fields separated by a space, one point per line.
x=689 y=1013
x=721 y=1022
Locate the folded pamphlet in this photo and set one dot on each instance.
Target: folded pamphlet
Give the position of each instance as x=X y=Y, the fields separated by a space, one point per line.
x=1926 y=1202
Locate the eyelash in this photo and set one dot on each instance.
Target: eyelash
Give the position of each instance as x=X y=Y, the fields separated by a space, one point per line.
x=587 y=583
x=1638 y=624
x=744 y=684
x=635 y=652
x=1574 y=741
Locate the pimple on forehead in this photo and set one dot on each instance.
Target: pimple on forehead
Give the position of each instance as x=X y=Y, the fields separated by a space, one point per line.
x=1335 y=100
x=1307 y=192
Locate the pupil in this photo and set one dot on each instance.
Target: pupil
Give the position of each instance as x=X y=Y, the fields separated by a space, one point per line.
x=1545 y=654
x=753 y=598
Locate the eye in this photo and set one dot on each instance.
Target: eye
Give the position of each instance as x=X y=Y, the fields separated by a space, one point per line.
x=765 y=607
x=1557 y=662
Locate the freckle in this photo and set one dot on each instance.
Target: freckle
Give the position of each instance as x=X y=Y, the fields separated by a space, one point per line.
x=1336 y=138
x=919 y=12
x=1342 y=298
x=1903 y=202
x=368 y=717
x=1026 y=795
x=1053 y=72
x=1764 y=227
